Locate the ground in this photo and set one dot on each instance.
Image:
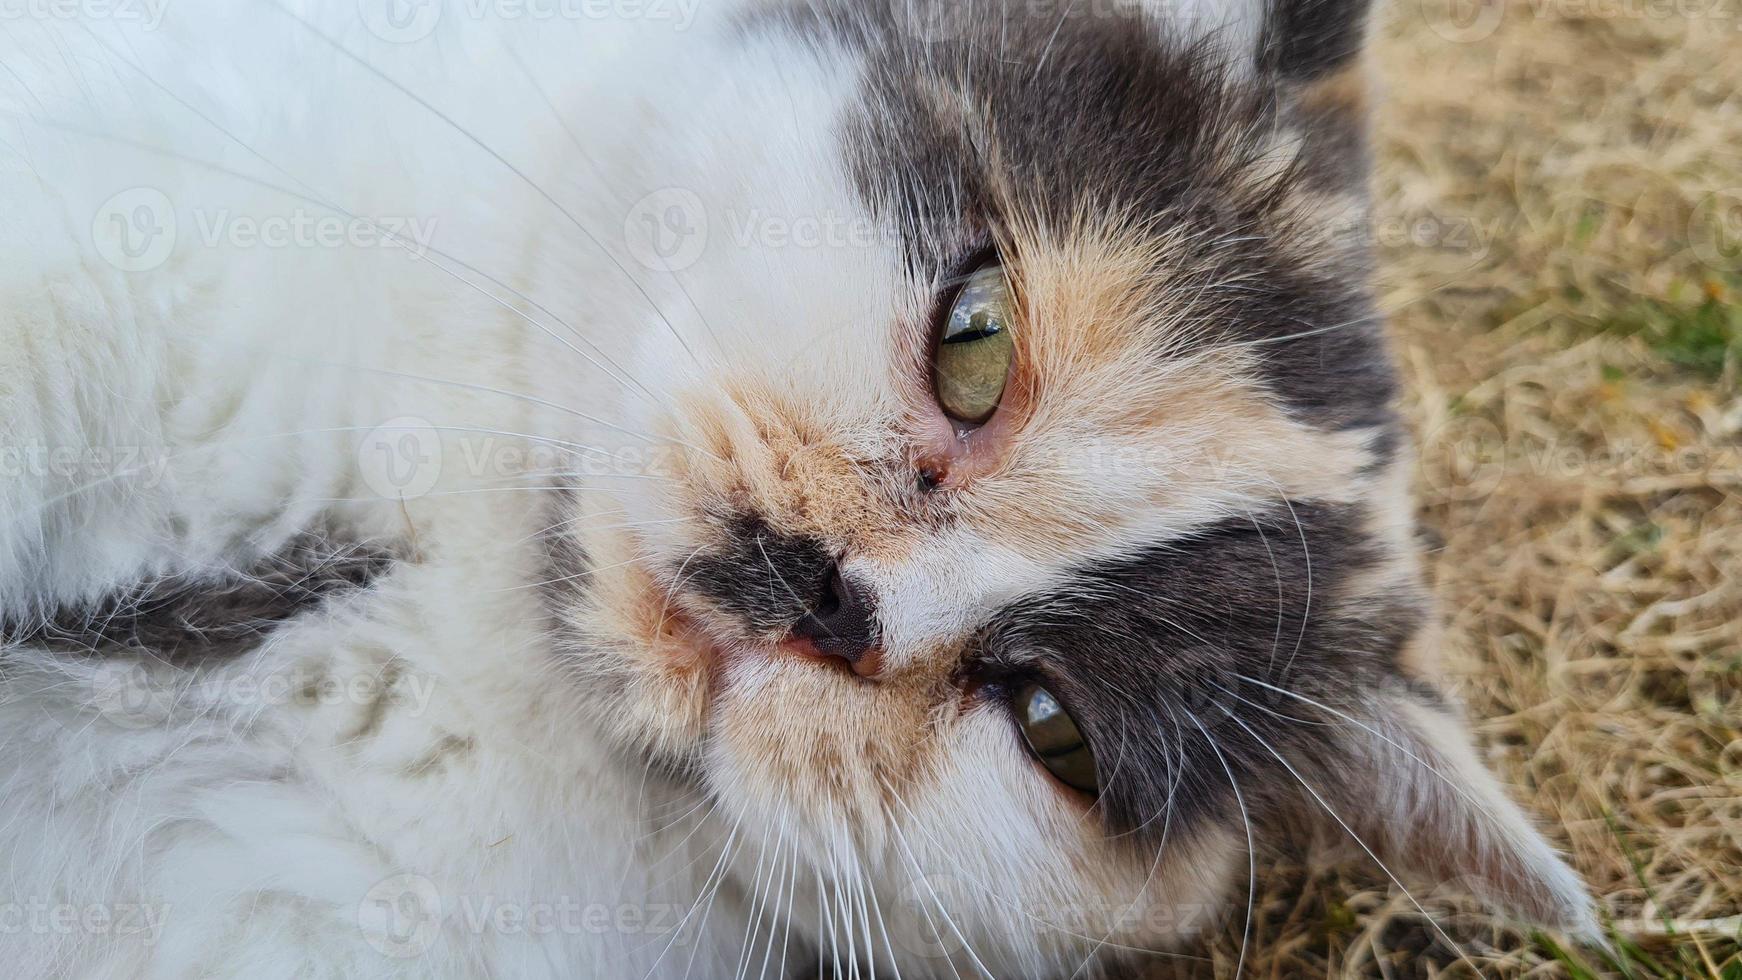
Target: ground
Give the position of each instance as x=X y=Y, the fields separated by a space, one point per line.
x=1561 y=240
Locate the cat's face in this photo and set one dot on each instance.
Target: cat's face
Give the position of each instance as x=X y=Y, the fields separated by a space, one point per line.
x=1035 y=517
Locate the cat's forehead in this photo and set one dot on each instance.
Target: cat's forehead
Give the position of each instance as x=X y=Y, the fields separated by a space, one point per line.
x=1102 y=146
x=1199 y=337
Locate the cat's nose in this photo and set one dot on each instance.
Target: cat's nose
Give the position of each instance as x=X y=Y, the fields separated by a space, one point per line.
x=843 y=624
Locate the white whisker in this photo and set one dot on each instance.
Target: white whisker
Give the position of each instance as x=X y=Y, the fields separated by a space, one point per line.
x=1251 y=852
x=471 y=137
x=1357 y=839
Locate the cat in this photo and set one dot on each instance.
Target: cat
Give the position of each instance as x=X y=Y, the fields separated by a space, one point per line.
x=652 y=489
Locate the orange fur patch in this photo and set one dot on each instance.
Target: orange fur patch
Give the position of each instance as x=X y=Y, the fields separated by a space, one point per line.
x=1128 y=408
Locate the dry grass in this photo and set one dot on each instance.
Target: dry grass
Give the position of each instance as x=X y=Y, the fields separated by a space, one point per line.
x=1562 y=188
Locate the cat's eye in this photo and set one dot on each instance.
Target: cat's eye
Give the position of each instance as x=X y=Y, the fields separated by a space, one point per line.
x=1054 y=738
x=974 y=349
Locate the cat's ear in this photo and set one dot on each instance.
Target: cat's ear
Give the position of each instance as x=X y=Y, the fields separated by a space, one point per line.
x=1292 y=41
x=1307 y=42
x=1406 y=782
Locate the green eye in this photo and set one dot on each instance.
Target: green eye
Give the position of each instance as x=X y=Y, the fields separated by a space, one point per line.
x=1054 y=738
x=975 y=349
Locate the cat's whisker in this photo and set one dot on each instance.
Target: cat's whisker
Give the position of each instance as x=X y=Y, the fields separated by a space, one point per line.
x=838 y=883
x=1251 y=852
x=893 y=821
x=997 y=898
x=627 y=381
x=1046 y=51
x=920 y=878
x=849 y=896
x=836 y=915
x=864 y=917
x=576 y=524
x=1281 y=594
x=557 y=474
x=782 y=923
x=417 y=252
x=544 y=96
x=1091 y=814
x=677 y=584
x=771 y=909
x=678 y=847
x=791 y=907
x=1353 y=321
x=1358 y=723
x=1170 y=623
x=826 y=924
x=1265 y=744
x=779 y=882
x=713 y=895
x=705 y=894
x=1160 y=853
x=563 y=123
x=581 y=520
x=660 y=831
x=754 y=916
x=533 y=400
x=883 y=929
x=777 y=577
x=471 y=137
x=1307 y=562
x=589 y=572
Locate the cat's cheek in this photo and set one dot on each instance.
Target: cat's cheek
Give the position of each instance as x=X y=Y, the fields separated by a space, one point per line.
x=994 y=806
x=671 y=665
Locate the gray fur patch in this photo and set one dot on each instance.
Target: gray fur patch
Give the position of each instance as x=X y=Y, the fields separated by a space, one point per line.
x=198 y=616
x=1154 y=654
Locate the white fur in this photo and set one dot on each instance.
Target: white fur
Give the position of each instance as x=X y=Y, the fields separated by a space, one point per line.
x=230 y=824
